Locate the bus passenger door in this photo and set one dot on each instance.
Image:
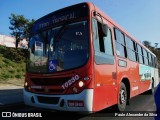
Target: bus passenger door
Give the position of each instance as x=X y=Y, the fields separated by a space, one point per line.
x=105 y=93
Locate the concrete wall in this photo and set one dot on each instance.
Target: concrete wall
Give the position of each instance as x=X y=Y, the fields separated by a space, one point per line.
x=9 y=41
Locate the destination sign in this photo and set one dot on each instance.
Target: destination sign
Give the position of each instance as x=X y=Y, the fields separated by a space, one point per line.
x=62 y=15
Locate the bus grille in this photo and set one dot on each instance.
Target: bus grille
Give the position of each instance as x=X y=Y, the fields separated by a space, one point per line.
x=50 y=81
x=48 y=100
x=50 y=90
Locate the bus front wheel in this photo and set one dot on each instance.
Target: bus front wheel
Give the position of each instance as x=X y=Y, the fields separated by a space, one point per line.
x=122 y=100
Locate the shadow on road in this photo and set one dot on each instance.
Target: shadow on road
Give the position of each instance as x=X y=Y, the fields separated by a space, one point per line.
x=11 y=96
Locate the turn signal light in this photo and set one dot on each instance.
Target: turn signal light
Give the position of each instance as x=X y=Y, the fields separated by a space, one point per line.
x=86 y=78
x=75 y=90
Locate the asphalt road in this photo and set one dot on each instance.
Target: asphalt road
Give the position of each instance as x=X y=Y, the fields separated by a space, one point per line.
x=140 y=105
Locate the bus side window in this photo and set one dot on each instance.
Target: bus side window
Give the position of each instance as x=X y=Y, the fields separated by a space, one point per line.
x=131 y=49
x=140 y=56
x=101 y=40
x=145 y=56
x=120 y=44
x=95 y=35
x=102 y=44
x=150 y=59
x=156 y=63
x=105 y=42
x=108 y=43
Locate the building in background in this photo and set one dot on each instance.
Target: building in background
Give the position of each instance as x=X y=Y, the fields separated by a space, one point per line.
x=9 y=41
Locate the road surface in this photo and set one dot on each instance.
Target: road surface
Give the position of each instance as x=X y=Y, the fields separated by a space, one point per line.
x=140 y=105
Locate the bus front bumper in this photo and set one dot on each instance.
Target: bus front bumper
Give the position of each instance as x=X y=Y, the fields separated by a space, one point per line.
x=82 y=102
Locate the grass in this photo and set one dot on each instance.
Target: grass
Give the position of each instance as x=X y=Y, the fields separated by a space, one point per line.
x=12 y=66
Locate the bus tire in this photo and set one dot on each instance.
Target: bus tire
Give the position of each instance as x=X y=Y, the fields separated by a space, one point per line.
x=122 y=100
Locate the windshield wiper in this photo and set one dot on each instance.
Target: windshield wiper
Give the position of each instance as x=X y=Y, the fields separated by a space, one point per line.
x=58 y=35
x=43 y=37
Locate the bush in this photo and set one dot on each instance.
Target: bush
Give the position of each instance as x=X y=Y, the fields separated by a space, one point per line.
x=5 y=76
x=18 y=70
x=18 y=76
x=12 y=63
x=6 y=61
x=15 y=55
x=2 y=64
x=11 y=76
x=1 y=55
x=12 y=71
x=23 y=69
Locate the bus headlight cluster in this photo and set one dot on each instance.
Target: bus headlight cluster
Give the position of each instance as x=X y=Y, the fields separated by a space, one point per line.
x=26 y=86
x=78 y=87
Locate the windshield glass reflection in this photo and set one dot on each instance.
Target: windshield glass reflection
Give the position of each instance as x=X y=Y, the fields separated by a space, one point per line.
x=59 y=48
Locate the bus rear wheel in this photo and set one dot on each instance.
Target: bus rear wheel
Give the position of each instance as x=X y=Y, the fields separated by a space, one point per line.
x=122 y=101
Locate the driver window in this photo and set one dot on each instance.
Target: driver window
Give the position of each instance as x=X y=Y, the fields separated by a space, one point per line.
x=102 y=43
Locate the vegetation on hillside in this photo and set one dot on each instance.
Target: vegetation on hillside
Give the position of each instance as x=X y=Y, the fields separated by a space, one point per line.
x=12 y=63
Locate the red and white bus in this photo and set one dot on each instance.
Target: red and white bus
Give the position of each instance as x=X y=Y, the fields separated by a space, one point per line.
x=81 y=60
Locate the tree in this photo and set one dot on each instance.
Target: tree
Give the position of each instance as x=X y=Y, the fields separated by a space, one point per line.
x=156 y=45
x=154 y=49
x=20 y=27
x=147 y=44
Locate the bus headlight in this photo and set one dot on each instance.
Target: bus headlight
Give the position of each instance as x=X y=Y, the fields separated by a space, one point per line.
x=81 y=83
x=25 y=84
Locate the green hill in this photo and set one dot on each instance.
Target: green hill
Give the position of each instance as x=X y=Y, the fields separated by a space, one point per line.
x=12 y=65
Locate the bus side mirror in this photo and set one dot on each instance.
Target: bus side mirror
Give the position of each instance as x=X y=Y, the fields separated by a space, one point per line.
x=105 y=29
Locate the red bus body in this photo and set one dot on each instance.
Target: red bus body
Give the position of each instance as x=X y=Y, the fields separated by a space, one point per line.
x=100 y=81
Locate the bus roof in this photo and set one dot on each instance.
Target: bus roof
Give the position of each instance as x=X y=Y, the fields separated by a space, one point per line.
x=73 y=12
x=92 y=7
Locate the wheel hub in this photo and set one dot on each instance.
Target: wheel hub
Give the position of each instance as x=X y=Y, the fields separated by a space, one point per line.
x=122 y=96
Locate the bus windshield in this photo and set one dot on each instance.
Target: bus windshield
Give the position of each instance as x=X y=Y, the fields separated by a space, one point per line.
x=59 y=48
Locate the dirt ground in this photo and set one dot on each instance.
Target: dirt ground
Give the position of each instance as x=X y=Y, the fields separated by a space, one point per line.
x=12 y=83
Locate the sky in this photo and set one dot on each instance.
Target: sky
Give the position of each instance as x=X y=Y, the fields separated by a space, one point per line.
x=141 y=18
